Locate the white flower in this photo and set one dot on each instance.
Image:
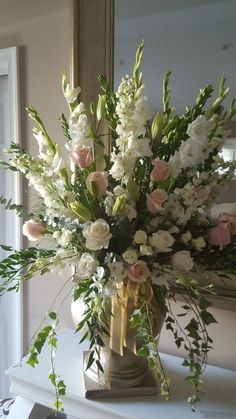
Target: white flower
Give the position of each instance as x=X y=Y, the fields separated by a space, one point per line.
x=146 y=250
x=117 y=170
x=190 y=153
x=109 y=289
x=57 y=163
x=162 y=240
x=66 y=238
x=176 y=164
x=200 y=128
x=130 y=256
x=186 y=237
x=130 y=212
x=182 y=261
x=86 y=266
x=140 y=237
x=118 y=190
x=57 y=235
x=117 y=271
x=173 y=229
x=71 y=93
x=97 y=235
x=199 y=243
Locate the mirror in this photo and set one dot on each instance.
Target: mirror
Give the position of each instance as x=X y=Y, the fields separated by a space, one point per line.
x=196 y=39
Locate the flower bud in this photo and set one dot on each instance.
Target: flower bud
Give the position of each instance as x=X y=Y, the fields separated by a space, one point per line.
x=81 y=211
x=119 y=205
x=101 y=106
x=158 y=125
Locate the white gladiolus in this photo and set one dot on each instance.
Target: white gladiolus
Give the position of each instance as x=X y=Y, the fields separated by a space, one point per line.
x=200 y=128
x=71 y=93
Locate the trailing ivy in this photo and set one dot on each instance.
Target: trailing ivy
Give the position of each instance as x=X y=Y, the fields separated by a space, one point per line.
x=49 y=335
x=142 y=320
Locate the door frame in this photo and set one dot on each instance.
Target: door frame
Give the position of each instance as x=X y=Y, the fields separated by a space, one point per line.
x=9 y=66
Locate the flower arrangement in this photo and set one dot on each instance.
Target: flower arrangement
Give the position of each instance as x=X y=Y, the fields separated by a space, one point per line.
x=142 y=220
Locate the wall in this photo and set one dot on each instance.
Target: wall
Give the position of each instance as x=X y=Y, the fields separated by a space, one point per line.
x=42 y=31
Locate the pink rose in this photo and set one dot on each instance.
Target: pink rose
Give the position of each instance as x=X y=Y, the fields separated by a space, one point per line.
x=33 y=231
x=201 y=194
x=219 y=236
x=100 y=180
x=161 y=170
x=229 y=222
x=138 y=272
x=155 y=200
x=82 y=156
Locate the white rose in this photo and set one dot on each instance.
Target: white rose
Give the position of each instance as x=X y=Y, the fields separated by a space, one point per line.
x=97 y=235
x=186 y=237
x=130 y=256
x=162 y=240
x=140 y=237
x=65 y=238
x=182 y=261
x=199 y=128
x=146 y=250
x=86 y=266
x=199 y=243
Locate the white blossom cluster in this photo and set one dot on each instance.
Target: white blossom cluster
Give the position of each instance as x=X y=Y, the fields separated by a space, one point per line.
x=131 y=143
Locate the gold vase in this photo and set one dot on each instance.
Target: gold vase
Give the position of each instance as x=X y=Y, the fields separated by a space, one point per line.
x=125 y=375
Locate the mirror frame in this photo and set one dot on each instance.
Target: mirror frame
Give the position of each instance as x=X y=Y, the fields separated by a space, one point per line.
x=93 y=54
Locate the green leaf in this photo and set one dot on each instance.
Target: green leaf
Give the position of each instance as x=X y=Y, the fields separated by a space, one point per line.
x=203 y=303
x=207 y=317
x=90 y=360
x=144 y=351
x=52 y=315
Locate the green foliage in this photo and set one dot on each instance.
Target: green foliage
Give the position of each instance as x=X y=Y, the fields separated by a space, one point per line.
x=19 y=266
x=142 y=320
x=193 y=336
x=10 y=206
x=48 y=335
x=65 y=126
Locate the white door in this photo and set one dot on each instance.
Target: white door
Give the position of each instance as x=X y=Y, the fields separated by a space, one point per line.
x=10 y=232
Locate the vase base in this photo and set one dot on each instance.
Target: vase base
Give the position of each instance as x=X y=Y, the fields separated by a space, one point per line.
x=94 y=390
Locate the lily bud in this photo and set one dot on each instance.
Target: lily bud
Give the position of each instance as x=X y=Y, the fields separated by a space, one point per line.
x=158 y=125
x=119 y=205
x=81 y=211
x=133 y=190
x=101 y=106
